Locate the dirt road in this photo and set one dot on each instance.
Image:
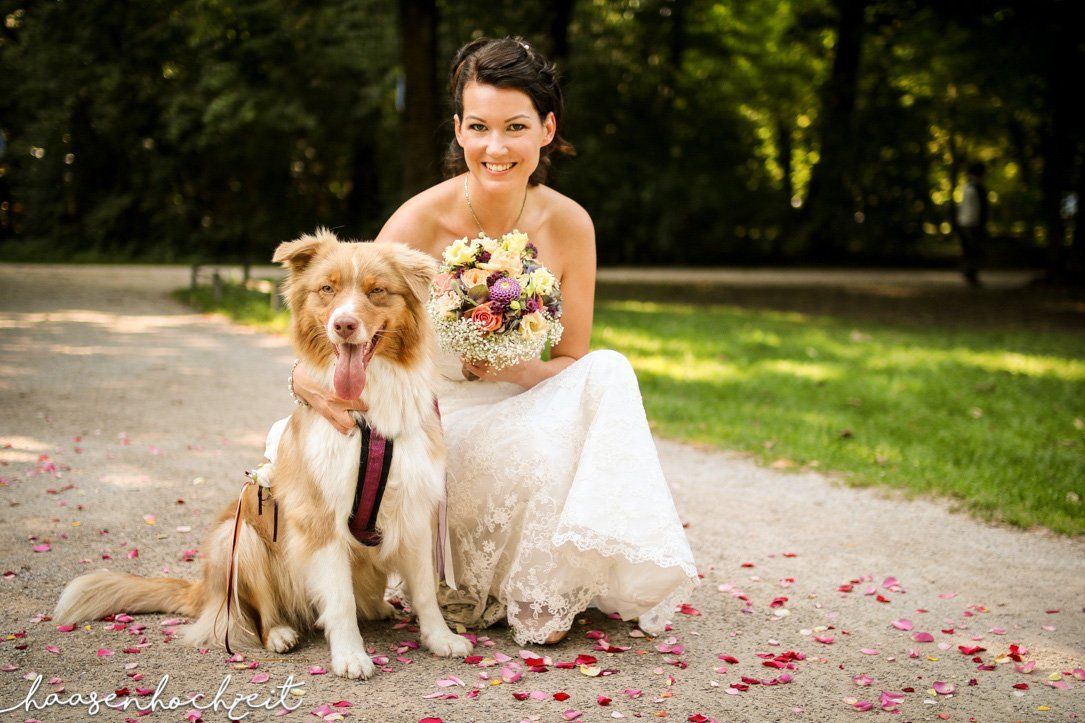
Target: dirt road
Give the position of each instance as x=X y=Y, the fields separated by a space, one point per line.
x=126 y=422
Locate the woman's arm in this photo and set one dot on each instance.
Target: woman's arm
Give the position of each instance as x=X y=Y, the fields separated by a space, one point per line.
x=324 y=402
x=577 y=236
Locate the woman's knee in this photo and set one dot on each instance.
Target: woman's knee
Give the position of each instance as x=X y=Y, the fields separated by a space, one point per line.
x=611 y=363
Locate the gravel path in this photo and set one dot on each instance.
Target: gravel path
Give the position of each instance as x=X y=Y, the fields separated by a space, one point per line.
x=126 y=422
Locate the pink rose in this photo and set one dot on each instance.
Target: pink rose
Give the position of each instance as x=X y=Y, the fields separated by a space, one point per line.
x=443 y=283
x=485 y=318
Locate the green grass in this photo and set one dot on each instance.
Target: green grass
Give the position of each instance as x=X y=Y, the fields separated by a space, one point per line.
x=252 y=308
x=992 y=419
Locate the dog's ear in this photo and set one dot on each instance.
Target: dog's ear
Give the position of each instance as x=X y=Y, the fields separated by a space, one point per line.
x=296 y=255
x=418 y=270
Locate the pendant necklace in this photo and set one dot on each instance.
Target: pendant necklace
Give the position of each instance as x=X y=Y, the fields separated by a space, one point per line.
x=467 y=195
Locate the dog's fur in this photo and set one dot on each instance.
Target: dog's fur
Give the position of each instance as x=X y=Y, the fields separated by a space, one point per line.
x=317 y=573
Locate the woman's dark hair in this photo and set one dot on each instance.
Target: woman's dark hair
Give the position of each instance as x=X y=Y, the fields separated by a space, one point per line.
x=508 y=63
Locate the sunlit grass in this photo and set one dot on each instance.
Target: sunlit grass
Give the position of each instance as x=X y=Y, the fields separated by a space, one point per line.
x=993 y=420
x=242 y=305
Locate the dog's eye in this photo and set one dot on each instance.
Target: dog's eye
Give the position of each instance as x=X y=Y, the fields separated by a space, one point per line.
x=377 y=291
x=326 y=289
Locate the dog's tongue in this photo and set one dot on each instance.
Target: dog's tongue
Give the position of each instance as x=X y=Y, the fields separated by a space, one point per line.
x=350 y=371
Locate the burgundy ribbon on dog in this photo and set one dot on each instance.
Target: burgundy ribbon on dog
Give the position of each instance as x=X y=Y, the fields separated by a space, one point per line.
x=375 y=461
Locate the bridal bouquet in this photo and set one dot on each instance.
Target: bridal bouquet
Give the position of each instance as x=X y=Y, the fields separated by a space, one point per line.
x=493 y=302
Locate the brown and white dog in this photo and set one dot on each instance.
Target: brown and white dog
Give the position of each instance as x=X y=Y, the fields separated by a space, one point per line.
x=359 y=325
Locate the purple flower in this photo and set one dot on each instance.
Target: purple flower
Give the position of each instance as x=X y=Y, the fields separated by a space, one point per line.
x=532 y=304
x=504 y=290
x=484 y=257
x=494 y=277
x=531 y=250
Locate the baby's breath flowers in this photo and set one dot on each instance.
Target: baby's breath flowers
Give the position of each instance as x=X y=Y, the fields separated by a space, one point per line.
x=493 y=302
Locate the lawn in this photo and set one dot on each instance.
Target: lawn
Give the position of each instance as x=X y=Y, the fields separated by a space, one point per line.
x=991 y=418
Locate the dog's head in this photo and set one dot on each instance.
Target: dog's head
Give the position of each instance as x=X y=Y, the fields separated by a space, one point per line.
x=351 y=301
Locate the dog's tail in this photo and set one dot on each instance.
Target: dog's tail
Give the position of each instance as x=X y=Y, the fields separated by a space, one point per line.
x=97 y=594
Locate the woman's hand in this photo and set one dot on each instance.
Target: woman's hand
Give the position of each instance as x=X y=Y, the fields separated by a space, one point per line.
x=519 y=374
x=326 y=404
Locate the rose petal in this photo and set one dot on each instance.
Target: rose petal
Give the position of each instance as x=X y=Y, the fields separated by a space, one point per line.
x=923 y=638
x=943 y=688
x=902 y=624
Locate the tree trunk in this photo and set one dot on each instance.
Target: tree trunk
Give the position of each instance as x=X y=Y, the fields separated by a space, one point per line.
x=421 y=111
x=561 y=14
x=829 y=204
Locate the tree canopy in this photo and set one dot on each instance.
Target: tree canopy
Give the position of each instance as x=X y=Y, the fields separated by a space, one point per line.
x=707 y=132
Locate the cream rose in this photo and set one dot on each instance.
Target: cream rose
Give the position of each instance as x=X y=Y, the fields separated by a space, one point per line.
x=474 y=277
x=533 y=326
x=504 y=261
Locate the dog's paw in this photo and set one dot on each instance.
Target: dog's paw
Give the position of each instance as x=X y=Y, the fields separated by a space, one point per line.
x=281 y=638
x=352 y=663
x=447 y=644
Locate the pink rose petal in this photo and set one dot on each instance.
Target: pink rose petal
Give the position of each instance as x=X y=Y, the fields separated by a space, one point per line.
x=903 y=624
x=863 y=680
x=450 y=681
x=923 y=638
x=316 y=670
x=260 y=678
x=869 y=651
x=572 y=714
x=942 y=688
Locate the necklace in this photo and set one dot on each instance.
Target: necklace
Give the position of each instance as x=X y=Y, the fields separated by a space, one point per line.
x=467 y=195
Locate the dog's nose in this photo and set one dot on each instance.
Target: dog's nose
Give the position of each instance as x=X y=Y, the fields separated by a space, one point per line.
x=346 y=325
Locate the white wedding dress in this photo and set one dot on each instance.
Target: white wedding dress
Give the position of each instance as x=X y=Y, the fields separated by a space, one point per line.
x=556 y=502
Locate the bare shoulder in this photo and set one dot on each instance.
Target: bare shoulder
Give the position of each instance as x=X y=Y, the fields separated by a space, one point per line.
x=570 y=222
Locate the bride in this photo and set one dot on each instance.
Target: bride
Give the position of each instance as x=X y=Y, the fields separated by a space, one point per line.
x=556 y=500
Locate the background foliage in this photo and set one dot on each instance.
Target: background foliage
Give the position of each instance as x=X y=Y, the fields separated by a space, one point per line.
x=708 y=132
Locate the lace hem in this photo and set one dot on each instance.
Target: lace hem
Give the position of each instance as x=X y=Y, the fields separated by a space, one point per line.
x=563 y=612
x=677 y=555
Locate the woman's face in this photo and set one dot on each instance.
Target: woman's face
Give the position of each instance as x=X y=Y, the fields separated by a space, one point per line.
x=501 y=134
